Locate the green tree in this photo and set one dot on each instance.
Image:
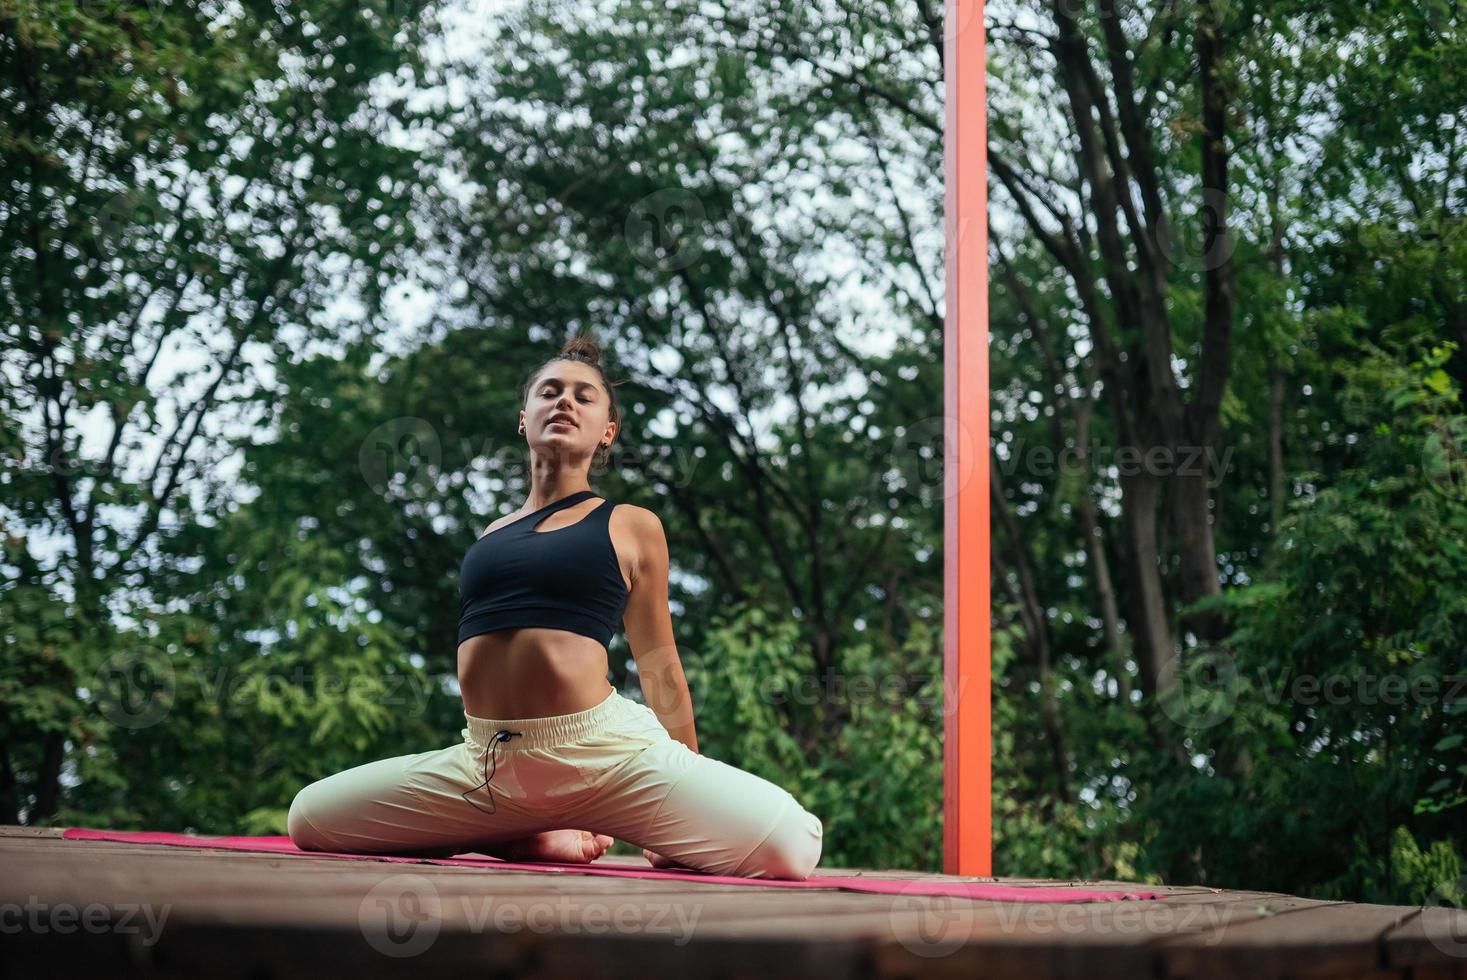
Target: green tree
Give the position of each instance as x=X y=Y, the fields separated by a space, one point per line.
x=186 y=190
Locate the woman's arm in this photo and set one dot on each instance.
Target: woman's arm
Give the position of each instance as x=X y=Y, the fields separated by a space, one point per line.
x=648 y=621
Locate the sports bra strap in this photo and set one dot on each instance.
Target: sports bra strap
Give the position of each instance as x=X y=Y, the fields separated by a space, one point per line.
x=548 y=509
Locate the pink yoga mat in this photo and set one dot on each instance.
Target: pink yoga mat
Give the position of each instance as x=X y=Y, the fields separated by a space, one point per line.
x=881 y=886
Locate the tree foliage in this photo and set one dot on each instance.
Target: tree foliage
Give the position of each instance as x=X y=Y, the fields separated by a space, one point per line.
x=1227 y=344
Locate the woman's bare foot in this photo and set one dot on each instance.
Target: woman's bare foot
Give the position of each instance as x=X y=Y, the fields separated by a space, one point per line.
x=564 y=846
x=658 y=861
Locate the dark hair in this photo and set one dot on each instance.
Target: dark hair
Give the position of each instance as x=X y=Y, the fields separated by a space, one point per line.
x=584 y=349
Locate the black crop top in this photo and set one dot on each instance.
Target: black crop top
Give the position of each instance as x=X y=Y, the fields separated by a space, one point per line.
x=567 y=578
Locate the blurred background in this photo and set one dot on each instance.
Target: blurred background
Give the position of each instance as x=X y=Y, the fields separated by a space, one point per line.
x=272 y=273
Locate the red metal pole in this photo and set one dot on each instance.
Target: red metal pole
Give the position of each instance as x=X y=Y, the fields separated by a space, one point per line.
x=967 y=804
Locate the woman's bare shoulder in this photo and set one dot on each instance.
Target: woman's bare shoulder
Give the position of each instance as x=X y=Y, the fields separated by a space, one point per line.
x=637 y=512
x=639 y=520
x=499 y=523
x=641 y=529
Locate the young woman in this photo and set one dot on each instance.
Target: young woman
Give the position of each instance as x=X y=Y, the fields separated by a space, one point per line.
x=550 y=744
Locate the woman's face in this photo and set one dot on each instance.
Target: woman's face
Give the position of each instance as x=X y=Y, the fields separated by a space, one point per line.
x=568 y=389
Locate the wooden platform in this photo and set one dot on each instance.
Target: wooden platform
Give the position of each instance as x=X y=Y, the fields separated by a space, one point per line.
x=149 y=911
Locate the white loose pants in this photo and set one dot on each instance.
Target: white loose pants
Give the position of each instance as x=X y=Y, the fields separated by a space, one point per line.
x=611 y=769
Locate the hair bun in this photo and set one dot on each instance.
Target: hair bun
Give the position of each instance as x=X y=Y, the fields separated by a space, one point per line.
x=582 y=346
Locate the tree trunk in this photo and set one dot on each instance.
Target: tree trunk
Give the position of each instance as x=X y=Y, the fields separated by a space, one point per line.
x=1192 y=523
x=9 y=792
x=48 y=779
x=1149 y=620
x=1188 y=491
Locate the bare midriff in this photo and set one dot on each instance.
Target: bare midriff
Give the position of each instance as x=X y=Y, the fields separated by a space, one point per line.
x=531 y=672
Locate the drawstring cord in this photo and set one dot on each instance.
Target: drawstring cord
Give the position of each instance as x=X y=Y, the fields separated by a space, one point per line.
x=503 y=735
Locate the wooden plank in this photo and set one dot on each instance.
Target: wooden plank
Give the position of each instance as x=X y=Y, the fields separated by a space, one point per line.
x=1435 y=938
x=1440 y=971
x=27 y=833
x=1102 y=940
x=246 y=889
x=1014 y=962
x=308 y=954
x=142 y=863
x=1321 y=939
x=1120 y=940
x=242 y=911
